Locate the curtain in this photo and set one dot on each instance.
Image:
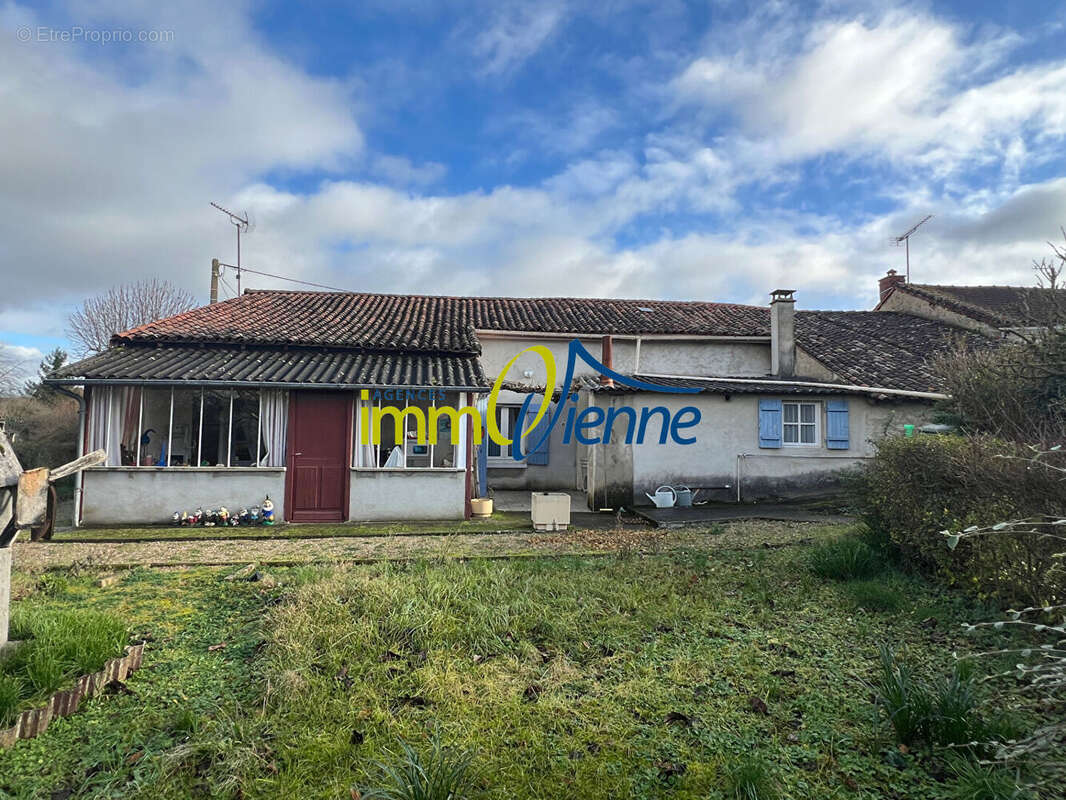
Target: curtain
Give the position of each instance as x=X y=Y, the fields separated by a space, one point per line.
x=130 y=420
x=274 y=422
x=107 y=420
x=365 y=454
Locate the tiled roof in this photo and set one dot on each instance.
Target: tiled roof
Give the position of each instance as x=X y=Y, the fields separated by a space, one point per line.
x=435 y=324
x=887 y=349
x=719 y=385
x=998 y=306
x=303 y=366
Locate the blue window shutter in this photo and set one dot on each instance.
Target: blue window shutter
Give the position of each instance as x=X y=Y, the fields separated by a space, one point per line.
x=538 y=455
x=836 y=425
x=769 y=422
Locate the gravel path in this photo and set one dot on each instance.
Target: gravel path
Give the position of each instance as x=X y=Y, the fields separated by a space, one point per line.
x=36 y=556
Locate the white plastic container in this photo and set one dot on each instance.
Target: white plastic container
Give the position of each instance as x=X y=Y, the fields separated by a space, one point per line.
x=550 y=511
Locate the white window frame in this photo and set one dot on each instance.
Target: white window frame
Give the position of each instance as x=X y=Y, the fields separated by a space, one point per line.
x=504 y=458
x=799 y=423
x=200 y=429
x=406 y=446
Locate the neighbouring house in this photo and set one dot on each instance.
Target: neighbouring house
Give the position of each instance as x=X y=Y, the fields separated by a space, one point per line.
x=263 y=395
x=990 y=310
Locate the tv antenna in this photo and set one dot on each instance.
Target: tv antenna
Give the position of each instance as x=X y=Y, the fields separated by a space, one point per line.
x=242 y=224
x=905 y=240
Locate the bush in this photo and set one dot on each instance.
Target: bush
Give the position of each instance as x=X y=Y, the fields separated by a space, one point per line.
x=845 y=559
x=914 y=488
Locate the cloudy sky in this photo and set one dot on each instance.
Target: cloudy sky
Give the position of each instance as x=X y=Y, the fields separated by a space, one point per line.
x=704 y=150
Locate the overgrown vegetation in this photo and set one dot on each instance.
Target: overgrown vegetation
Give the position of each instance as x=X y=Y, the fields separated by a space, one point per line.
x=845 y=558
x=56 y=647
x=689 y=674
x=915 y=488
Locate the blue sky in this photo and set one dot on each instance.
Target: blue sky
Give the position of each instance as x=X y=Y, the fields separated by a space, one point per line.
x=710 y=150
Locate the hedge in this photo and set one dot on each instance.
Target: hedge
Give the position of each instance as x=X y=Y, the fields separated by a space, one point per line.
x=914 y=488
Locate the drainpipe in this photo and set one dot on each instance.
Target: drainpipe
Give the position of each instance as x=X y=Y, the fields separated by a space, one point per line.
x=607 y=358
x=81 y=449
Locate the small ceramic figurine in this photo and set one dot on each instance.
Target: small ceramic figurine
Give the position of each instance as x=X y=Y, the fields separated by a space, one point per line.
x=223 y=516
x=175 y=518
x=234 y=519
x=198 y=517
x=268 y=511
x=245 y=517
x=253 y=517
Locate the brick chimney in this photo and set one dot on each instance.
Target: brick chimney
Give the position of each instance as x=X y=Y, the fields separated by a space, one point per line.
x=783 y=332
x=887 y=283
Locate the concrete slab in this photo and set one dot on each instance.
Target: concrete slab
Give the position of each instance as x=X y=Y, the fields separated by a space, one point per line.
x=710 y=514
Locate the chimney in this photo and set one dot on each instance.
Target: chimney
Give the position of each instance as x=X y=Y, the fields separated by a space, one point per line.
x=214 y=279
x=888 y=283
x=783 y=332
x=607 y=358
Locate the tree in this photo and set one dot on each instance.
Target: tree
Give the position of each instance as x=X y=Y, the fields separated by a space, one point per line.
x=123 y=307
x=51 y=363
x=10 y=367
x=1017 y=390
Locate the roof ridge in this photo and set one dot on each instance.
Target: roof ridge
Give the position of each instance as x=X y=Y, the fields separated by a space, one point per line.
x=502 y=297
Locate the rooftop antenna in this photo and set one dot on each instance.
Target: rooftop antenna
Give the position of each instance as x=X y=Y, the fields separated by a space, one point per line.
x=905 y=239
x=242 y=224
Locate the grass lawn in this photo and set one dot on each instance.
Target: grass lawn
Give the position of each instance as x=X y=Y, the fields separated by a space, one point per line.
x=623 y=676
x=500 y=521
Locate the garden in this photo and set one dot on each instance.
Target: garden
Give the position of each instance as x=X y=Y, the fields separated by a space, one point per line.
x=804 y=670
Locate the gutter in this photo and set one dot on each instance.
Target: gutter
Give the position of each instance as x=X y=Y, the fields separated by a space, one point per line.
x=59 y=382
x=81 y=450
x=812 y=384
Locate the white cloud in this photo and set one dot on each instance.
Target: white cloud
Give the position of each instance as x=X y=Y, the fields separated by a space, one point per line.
x=515 y=33
x=902 y=87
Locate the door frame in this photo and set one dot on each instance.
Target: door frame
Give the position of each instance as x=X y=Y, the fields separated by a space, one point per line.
x=290 y=439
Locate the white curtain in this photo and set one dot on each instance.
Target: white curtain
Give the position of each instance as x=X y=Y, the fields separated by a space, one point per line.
x=109 y=422
x=464 y=434
x=274 y=422
x=365 y=454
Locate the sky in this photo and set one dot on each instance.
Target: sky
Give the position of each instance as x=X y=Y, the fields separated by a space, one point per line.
x=695 y=151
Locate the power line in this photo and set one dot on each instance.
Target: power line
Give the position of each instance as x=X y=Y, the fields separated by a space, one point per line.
x=286 y=278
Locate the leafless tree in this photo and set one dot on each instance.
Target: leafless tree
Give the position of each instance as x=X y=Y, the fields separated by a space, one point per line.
x=10 y=372
x=123 y=307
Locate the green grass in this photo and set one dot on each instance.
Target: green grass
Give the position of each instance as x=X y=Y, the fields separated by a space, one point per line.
x=845 y=558
x=678 y=675
x=500 y=521
x=56 y=646
x=876 y=595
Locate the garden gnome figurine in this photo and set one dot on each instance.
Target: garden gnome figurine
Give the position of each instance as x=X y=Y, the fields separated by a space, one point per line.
x=268 y=511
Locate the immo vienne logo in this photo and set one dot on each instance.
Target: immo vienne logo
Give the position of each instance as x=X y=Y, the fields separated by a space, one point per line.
x=591 y=425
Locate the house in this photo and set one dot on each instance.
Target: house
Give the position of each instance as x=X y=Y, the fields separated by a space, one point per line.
x=273 y=393
x=989 y=310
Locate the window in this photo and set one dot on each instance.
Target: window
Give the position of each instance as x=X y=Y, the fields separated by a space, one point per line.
x=507 y=420
x=177 y=427
x=800 y=424
x=405 y=451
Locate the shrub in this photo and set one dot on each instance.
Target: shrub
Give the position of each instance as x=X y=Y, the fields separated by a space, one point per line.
x=749 y=778
x=875 y=595
x=441 y=774
x=845 y=559
x=914 y=488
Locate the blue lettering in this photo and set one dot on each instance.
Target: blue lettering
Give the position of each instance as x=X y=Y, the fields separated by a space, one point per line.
x=612 y=414
x=676 y=424
x=584 y=422
x=645 y=415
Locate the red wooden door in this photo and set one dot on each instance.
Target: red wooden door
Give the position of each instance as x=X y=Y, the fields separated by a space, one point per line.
x=319 y=438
